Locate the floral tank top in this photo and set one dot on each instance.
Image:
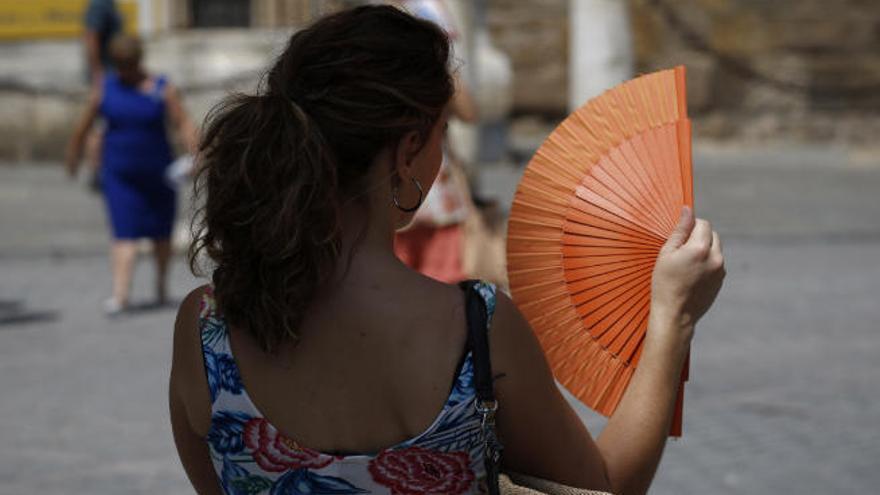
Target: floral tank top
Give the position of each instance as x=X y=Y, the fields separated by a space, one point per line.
x=252 y=457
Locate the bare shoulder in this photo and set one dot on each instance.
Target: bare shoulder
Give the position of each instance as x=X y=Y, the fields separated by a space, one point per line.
x=518 y=363
x=512 y=342
x=186 y=323
x=439 y=296
x=437 y=308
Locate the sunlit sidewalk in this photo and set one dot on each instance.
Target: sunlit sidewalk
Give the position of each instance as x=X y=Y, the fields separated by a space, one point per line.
x=784 y=390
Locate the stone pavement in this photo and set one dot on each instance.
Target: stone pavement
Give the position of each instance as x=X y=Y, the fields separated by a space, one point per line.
x=785 y=381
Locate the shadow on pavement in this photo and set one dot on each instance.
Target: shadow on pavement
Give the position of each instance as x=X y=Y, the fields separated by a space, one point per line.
x=14 y=313
x=134 y=309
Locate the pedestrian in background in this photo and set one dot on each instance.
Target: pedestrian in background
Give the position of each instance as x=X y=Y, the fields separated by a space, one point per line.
x=101 y=22
x=136 y=107
x=434 y=243
x=316 y=361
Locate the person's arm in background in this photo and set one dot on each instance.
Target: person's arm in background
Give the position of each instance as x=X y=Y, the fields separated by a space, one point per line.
x=541 y=433
x=74 y=151
x=93 y=21
x=184 y=126
x=93 y=56
x=463 y=105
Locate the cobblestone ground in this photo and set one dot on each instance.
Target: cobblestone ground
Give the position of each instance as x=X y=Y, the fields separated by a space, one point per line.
x=784 y=394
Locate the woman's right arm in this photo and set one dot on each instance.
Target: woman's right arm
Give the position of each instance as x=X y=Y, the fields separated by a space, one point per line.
x=544 y=437
x=189 y=398
x=75 y=146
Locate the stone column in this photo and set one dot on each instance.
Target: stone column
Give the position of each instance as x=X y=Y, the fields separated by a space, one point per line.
x=601 y=48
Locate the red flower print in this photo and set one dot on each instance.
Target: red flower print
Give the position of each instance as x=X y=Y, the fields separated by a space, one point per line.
x=416 y=470
x=275 y=453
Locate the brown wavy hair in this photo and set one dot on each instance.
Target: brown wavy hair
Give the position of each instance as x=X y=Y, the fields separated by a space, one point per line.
x=276 y=166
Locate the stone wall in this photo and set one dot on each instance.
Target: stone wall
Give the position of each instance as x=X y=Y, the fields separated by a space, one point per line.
x=757 y=69
x=804 y=69
x=534 y=35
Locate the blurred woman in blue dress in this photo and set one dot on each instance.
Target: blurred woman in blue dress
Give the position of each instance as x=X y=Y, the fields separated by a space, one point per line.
x=135 y=156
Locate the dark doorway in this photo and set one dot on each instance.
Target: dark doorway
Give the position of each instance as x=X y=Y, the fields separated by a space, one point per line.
x=221 y=13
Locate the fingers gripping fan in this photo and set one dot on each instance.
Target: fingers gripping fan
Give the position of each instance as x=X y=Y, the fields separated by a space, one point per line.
x=594 y=206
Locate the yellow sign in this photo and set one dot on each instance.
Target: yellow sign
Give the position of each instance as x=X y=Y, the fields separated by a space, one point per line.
x=35 y=19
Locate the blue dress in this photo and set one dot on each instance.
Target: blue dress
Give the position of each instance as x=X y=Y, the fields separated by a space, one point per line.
x=135 y=157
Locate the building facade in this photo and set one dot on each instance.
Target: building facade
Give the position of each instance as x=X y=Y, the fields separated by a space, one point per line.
x=58 y=19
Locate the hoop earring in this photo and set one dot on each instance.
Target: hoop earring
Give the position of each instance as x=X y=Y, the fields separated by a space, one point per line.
x=418 y=203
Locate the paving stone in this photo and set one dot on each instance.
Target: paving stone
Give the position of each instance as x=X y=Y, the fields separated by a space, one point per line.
x=784 y=394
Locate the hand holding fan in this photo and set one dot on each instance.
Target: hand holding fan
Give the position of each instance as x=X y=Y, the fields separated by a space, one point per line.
x=594 y=206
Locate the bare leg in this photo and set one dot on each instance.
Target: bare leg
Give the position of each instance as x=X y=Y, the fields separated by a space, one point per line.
x=123 y=256
x=162 y=252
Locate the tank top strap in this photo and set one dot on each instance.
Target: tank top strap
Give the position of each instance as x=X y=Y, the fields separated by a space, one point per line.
x=224 y=379
x=207 y=305
x=211 y=325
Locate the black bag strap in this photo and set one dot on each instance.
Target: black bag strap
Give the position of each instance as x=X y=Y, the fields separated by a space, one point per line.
x=485 y=404
x=478 y=341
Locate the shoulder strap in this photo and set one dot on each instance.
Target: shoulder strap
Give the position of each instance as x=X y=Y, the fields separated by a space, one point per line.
x=486 y=405
x=211 y=327
x=478 y=340
x=207 y=304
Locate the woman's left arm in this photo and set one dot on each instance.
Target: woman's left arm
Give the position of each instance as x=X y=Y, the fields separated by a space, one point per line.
x=184 y=125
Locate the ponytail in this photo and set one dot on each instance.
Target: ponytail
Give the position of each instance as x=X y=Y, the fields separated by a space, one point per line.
x=276 y=166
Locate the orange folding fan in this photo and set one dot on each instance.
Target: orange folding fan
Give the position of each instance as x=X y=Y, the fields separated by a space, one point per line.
x=594 y=206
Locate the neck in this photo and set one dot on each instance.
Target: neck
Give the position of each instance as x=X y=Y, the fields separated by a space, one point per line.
x=367 y=243
x=368 y=223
